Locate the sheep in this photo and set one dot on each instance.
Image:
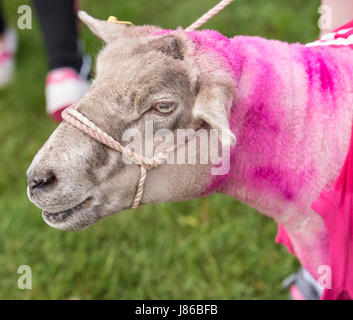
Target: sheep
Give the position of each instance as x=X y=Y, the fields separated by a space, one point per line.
x=285 y=111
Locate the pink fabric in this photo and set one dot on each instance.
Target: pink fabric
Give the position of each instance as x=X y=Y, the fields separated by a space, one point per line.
x=335 y=206
x=283 y=238
x=343 y=32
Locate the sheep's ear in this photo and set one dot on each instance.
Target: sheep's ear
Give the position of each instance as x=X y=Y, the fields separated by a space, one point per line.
x=107 y=31
x=110 y=31
x=213 y=105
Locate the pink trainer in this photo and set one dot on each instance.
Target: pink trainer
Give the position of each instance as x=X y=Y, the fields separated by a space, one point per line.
x=64 y=86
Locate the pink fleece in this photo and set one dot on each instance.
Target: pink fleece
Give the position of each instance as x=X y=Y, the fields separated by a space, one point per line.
x=292 y=117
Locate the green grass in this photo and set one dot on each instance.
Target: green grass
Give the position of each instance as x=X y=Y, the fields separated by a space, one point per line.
x=207 y=248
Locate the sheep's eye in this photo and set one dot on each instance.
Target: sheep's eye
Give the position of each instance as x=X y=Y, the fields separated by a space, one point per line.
x=164 y=107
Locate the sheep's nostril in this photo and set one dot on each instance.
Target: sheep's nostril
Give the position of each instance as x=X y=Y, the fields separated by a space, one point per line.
x=36 y=183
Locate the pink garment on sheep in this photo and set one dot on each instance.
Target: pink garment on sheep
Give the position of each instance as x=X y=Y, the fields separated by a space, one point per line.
x=289 y=97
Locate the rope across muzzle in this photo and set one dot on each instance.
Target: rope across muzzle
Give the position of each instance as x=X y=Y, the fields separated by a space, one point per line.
x=79 y=121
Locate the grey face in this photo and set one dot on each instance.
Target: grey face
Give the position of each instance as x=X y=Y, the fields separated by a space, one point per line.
x=76 y=180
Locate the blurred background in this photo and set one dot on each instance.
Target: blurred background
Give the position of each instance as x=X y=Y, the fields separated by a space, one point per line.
x=210 y=248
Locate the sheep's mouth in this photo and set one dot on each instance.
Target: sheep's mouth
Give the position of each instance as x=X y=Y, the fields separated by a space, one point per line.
x=61 y=216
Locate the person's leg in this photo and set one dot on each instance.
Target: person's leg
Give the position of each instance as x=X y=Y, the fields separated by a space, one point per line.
x=67 y=80
x=58 y=23
x=338 y=13
x=8 y=47
x=2 y=22
x=302 y=286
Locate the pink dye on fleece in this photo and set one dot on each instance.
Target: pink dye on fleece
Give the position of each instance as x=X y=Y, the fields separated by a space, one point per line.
x=277 y=82
x=252 y=116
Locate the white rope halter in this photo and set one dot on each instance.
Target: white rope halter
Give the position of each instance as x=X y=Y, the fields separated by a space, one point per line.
x=79 y=121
